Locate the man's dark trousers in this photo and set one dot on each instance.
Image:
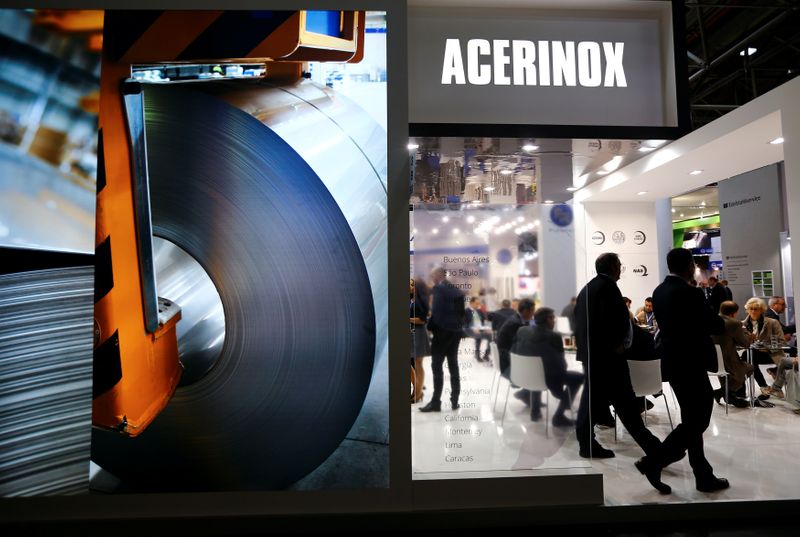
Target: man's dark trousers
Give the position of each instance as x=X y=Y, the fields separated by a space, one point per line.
x=445 y=345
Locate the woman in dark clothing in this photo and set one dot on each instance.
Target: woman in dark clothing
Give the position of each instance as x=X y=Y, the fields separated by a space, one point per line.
x=420 y=343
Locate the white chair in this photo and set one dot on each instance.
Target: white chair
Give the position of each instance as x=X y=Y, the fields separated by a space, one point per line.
x=646 y=380
x=528 y=372
x=721 y=374
x=562 y=326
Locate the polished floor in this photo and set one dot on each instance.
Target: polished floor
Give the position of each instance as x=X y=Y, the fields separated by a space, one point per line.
x=755 y=449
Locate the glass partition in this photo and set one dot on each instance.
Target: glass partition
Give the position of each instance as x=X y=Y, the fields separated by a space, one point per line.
x=487 y=252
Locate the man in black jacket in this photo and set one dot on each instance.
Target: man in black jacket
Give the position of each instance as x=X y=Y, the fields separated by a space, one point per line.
x=716 y=294
x=687 y=354
x=603 y=328
x=505 y=340
x=447 y=325
x=541 y=340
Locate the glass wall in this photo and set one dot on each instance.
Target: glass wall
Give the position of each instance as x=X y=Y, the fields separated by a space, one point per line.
x=482 y=235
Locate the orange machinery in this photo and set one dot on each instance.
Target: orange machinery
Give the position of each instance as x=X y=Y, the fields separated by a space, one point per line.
x=136 y=365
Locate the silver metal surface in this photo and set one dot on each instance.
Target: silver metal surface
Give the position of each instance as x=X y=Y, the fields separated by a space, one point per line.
x=300 y=322
x=45 y=381
x=347 y=149
x=201 y=330
x=133 y=100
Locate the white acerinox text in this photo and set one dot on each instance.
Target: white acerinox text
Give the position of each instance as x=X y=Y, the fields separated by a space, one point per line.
x=504 y=62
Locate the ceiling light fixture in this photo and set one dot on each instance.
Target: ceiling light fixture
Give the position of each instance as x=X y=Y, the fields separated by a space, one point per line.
x=506 y=172
x=456 y=231
x=572 y=188
x=413 y=146
x=642 y=193
x=673 y=209
x=488 y=189
x=646 y=149
x=445 y=219
x=749 y=52
x=548 y=201
x=435 y=231
x=777 y=141
x=602 y=172
x=530 y=147
x=703 y=203
x=470 y=219
x=695 y=172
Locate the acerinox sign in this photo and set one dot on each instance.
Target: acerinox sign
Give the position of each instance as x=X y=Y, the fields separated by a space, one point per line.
x=605 y=66
x=560 y=63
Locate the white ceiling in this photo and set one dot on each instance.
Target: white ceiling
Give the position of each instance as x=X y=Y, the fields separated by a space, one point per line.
x=664 y=173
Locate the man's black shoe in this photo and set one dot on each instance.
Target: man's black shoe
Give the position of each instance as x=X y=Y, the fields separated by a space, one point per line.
x=432 y=407
x=597 y=452
x=560 y=420
x=653 y=475
x=712 y=484
x=524 y=396
x=536 y=416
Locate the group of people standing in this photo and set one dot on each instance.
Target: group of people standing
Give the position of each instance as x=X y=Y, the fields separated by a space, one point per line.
x=607 y=335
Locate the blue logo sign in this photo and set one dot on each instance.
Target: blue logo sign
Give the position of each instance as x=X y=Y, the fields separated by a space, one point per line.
x=504 y=256
x=561 y=215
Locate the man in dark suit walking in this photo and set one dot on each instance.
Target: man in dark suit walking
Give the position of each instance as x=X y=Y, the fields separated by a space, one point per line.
x=447 y=325
x=687 y=353
x=603 y=331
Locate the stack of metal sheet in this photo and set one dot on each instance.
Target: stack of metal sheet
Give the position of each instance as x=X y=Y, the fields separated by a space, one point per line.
x=45 y=381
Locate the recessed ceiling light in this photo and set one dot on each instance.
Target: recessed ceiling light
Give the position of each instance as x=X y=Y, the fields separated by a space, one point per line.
x=445 y=219
x=673 y=209
x=602 y=172
x=681 y=215
x=470 y=219
x=642 y=193
x=414 y=230
x=572 y=188
x=776 y=141
x=435 y=231
x=703 y=203
x=695 y=172
x=488 y=188
x=548 y=201
x=412 y=146
x=456 y=231
x=520 y=219
x=646 y=149
x=530 y=147
x=506 y=172
x=535 y=222
x=749 y=52
x=476 y=201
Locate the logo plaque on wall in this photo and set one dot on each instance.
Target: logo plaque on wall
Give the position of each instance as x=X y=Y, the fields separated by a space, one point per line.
x=639 y=237
x=598 y=237
x=618 y=237
x=561 y=215
x=641 y=270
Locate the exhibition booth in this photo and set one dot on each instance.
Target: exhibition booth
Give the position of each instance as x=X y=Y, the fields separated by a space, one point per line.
x=239 y=348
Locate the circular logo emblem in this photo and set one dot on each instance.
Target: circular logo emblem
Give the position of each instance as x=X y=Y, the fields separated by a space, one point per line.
x=504 y=256
x=639 y=237
x=561 y=215
x=618 y=237
x=598 y=238
x=641 y=270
